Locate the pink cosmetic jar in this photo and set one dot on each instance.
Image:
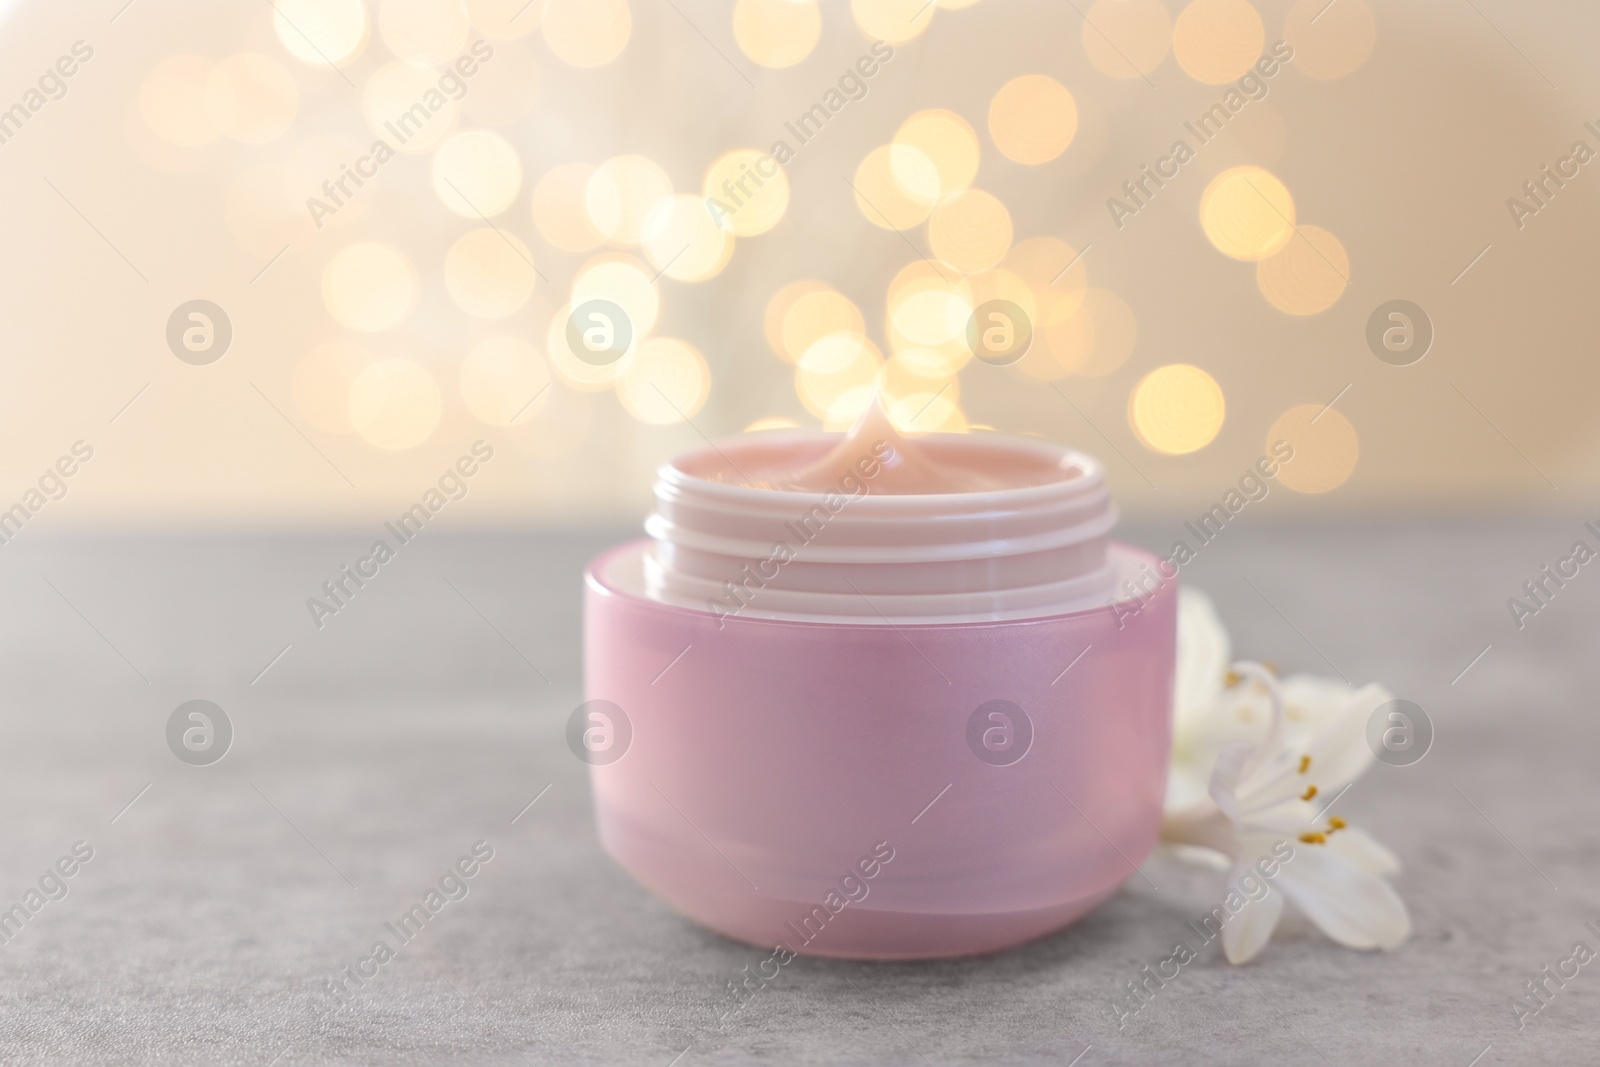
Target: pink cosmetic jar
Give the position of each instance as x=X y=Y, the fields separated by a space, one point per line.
x=877 y=697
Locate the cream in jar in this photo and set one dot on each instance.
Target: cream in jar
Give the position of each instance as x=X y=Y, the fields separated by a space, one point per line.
x=823 y=633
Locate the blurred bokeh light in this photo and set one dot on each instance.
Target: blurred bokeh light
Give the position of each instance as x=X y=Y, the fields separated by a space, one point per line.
x=400 y=204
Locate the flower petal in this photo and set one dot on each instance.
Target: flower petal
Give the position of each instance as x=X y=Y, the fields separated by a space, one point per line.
x=1363 y=850
x=1203 y=655
x=1225 y=779
x=1203 y=826
x=1353 y=907
x=1281 y=822
x=1199 y=855
x=1273 y=782
x=1186 y=783
x=1240 y=714
x=1339 y=750
x=1271 y=749
x=1248 y=932
x=1315 y=700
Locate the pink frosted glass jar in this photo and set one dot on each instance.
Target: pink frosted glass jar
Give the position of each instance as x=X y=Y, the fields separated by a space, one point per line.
x=936 y=728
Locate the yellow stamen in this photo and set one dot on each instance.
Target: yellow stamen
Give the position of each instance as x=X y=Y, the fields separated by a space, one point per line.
x=1310 y=792
x=1232 y=678
x=1314 y=838
x=1336 y=823
x=1305 y=764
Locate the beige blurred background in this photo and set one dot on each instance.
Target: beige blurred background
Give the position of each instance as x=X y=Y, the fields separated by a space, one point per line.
x=427 y=312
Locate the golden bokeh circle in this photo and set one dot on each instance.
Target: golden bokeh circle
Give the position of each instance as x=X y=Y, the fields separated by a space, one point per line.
x=915 y=173
x=746 y=191
x=971 y=231
x=927 y=311
x=922 y=413
x=914 y=372
x=835 y=377
x=1068 y=345
x=1326 y=448
x=683 y=242
x=1127 y=39
x=1247 y=213
x=882 y=200
x=1330 y=40
x=489 y=273
x=321 y=384
x=395 y=102
x=814 y=315
x=1218 y=41
x=620 y=193
x=778 y=307
x=1032 y=119
x=394 y=404
x=1004 y=296
x=587 y=33
x=1306 y=275
x=892 y=20
x=928 y=308
x=369 y=286
x=625 y=282
x=1054 y=271
x=504 y=380
x=574 y=371
x=848 y=409
x=776 y=33
x=663 y=381
x=943 y=157
x=477 y=174
x=918 y=391
x=320 y=32
x=558 y=208
x=1176 y=409
x=771 y=422
x=1098 y=338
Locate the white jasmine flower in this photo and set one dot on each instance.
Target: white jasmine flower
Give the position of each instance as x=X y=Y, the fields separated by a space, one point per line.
x=1275 y=754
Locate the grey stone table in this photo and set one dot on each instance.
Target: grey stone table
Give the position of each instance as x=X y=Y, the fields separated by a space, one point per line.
x=371 y=754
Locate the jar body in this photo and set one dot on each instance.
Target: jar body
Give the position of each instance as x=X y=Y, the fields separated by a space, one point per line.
x=1011 y=771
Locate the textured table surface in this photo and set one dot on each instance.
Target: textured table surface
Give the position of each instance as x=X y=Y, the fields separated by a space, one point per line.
x=424 y=717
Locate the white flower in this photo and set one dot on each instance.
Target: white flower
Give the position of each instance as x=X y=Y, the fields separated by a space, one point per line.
x=1212 y=711
x=1277 y=754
